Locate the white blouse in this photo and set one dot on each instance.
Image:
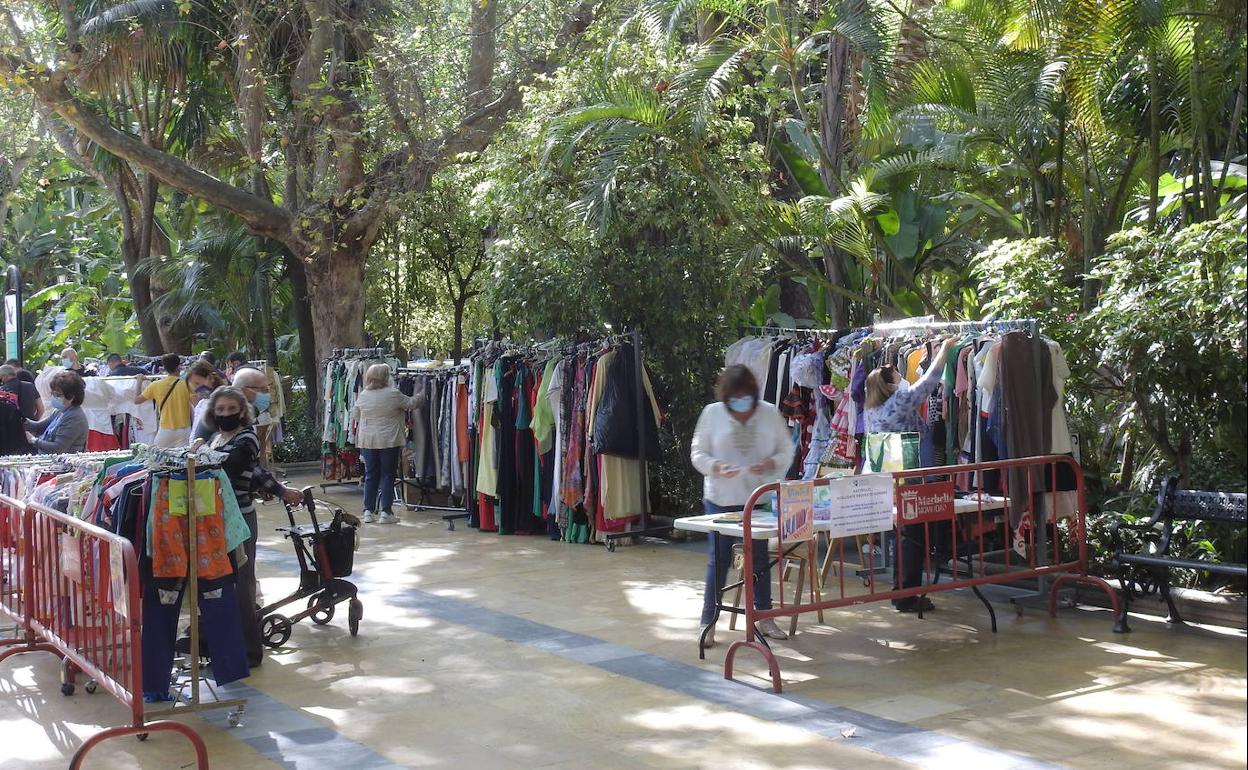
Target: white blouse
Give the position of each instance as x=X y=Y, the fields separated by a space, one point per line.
x=721 y=438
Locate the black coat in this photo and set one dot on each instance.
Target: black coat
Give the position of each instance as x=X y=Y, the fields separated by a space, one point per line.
x=616 y=422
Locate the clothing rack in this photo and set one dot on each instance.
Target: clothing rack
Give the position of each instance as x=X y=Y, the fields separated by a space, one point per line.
x=764 y=331
x=491 y=350
x=179 y=459
x=402 y=483
x=339 y=353
x=639 y=395
x=375 y=352
x=929 y=324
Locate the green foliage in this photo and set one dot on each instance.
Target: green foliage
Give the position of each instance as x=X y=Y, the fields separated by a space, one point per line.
x=1171 y=322
x=301 y=438
x=663 y=263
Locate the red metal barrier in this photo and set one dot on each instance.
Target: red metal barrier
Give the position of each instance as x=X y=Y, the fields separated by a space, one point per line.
x=13 y=574
x=978 y=546
x=78 y=597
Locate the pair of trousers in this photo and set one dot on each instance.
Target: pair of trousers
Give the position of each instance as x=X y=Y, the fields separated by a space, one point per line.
x=719 y=558
x=218 y=627
x=917 y=541
x=379 y=465
x=172 y=438
x=245 y=577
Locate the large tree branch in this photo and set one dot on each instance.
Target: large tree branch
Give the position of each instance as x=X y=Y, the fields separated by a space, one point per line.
x=49 y=88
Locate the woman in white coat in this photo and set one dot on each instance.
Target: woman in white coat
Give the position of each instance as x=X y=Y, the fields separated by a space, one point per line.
x=379 y=421
x=740 y=443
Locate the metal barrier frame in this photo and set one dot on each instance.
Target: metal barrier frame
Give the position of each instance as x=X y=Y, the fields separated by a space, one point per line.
x=44 y=590
x=1070 y=571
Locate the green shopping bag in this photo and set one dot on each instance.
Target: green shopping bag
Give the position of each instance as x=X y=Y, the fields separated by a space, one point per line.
x=888 y=452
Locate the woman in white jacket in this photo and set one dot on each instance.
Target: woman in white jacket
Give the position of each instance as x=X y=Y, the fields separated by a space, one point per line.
x=740 y=443
x=379 y=420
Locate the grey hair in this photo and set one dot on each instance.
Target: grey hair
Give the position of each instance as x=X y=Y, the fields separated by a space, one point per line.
x=227 y=392
x=7 y=371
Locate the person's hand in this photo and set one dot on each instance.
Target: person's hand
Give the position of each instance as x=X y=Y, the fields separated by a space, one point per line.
x=30 y=438
x=765 y=466
x=140 y=378
x=292 y=496
x=726 y=471
x=196 y=444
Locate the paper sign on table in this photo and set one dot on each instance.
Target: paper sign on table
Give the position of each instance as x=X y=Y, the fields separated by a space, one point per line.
x=823 y=504
x=861 y=505
x=797 y=510
x=117 y=581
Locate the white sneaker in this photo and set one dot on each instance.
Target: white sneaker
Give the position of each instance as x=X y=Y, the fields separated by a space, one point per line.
x=769 y=629
x=386 y=517
x=369 y=517
x=710 y=638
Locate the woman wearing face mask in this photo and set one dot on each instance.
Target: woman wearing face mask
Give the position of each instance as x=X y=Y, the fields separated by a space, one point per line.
x=64 y=430
x=229 y=417
x=892 y=406
x=740 y=443
x=203 y=378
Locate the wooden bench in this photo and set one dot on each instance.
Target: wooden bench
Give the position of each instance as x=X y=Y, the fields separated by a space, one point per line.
x=1150 y=571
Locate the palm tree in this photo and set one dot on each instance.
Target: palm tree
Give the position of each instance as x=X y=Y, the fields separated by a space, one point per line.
x=221 y=283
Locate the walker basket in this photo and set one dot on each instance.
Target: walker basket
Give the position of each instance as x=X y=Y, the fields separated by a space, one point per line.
x=340 y=543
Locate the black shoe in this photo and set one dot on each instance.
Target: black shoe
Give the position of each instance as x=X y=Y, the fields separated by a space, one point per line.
x=913 y=604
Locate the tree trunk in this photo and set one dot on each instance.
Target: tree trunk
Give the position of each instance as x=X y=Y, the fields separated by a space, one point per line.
x=298 y=277
x=1127 y=474
x=1183 y=460
x=336 y=296
x=836 y=113
x=794 y=298
x=457 y=350
x=1154 y=139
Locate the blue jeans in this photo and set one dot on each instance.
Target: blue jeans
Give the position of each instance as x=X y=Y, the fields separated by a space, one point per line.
x=719 y=558
x=379 y=468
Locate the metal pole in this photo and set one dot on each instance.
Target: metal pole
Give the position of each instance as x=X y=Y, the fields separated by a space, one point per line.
x=642 y=430
x=13 y=284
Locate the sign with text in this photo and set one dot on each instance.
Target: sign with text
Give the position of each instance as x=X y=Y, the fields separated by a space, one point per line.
x=924 y=503
x=861 y=505
x=10 y=325
x=823 y=504
x=797 y=510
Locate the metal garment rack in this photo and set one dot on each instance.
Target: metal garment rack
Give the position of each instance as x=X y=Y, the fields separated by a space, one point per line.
x=639 y=395
x=929 y=324
x=364 y=353
x=402 y=484
x=183 y=459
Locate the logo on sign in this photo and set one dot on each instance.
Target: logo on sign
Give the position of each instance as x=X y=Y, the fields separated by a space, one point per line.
x=927 y=502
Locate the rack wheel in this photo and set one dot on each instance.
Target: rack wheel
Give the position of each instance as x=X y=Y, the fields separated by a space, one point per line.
x=142 y=737
x=67 y=688
x=450 y=525
x=611 y=545
x=866 y=581
x=276 y=630
x=323 y=614
x=1018 y=609
x=90 y=687
x=235 y=718
x=354 y=613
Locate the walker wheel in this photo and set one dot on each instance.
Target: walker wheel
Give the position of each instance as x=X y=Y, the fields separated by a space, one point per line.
x=1018 y=609
x=67 y=688
x=324 y=613
x=276 y=630
x=354 y=613
x=142 y=737
x=235 y=719
x=90 y=687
